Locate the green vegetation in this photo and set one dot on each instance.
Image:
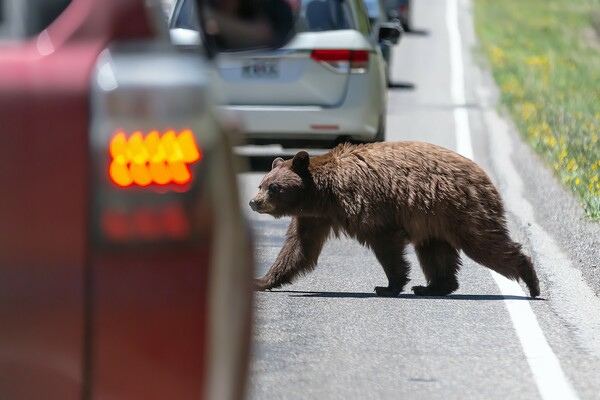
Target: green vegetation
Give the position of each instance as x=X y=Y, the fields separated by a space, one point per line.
x=545 y=57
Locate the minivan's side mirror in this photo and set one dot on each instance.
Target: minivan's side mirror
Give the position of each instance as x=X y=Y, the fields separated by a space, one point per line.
x=238 y=25
x=389 y=32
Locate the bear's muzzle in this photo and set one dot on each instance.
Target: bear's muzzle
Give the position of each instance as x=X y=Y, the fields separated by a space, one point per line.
x=253 y=205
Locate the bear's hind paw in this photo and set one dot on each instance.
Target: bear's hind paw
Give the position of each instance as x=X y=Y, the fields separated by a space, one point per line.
x=385 y=291
x=433 y=290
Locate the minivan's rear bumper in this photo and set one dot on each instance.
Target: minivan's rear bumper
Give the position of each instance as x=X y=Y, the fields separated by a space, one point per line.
x=306 y=122
x=358 y=116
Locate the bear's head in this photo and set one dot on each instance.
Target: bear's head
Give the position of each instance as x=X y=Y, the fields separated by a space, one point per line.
x=282 y=191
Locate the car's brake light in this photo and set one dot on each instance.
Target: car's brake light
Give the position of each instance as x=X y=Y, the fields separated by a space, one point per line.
x=152 y=142
x=342 y=60
x=157 y=158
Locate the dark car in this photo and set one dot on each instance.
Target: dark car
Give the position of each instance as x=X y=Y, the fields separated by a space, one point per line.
x=379 y=16
x=401 y=9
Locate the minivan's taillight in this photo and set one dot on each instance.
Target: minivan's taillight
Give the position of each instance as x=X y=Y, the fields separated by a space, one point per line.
x=342 y=60
x=154 y=158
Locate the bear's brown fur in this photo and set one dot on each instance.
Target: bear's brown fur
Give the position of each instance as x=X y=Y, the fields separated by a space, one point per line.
x=386 y=195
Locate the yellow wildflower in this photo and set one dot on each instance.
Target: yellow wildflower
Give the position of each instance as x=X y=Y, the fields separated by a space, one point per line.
x=563 y=154
x=538 y=61
x=550 y=141
x=511 y=86
x=497 y=56
x=528 y=109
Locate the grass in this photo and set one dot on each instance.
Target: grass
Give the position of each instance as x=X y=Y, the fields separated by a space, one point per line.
x=545 y=58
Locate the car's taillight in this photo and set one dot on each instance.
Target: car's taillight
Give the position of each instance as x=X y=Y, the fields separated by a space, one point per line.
x=154 y=158
x=152 y=150
x=145 y=184
x=342 y=60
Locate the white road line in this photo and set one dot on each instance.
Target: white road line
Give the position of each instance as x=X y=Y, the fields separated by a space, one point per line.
x=547 y=372
x=457 y=83
x=544 y=364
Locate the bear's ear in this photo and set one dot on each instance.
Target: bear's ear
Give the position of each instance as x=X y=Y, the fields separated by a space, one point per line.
x=276 y=162
x=300 y=162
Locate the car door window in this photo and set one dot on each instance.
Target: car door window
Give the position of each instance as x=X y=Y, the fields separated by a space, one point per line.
x=3 y=20
x=20 y=19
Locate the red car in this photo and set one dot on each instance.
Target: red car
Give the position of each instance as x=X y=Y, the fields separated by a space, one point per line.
x=125 y=262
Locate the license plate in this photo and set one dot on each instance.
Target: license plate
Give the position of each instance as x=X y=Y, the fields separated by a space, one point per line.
x=261 y=69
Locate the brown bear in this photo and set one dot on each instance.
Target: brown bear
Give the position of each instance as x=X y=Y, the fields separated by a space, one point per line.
x=386 y=195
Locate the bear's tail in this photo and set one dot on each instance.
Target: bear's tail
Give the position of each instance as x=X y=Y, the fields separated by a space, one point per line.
x=507 y=259
x=528 y=274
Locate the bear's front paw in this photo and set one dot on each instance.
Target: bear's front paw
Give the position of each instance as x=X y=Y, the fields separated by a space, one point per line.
x=261 y=284
x=385 y=291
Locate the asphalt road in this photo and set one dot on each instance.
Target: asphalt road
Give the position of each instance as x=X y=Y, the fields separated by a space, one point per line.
x=328 y=336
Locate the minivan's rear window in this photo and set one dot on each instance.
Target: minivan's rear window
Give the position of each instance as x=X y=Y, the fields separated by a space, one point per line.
x=324 y=15
x=313 y=16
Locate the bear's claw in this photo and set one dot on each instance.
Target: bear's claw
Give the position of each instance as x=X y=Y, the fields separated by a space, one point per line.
x=385 y=291
x=433 y=290
x=260 y=285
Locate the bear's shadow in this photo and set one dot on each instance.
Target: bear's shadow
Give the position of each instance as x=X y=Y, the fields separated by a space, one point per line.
x=410 y=296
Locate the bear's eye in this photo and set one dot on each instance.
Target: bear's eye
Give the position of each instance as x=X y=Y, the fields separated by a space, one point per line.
x=274 y=188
